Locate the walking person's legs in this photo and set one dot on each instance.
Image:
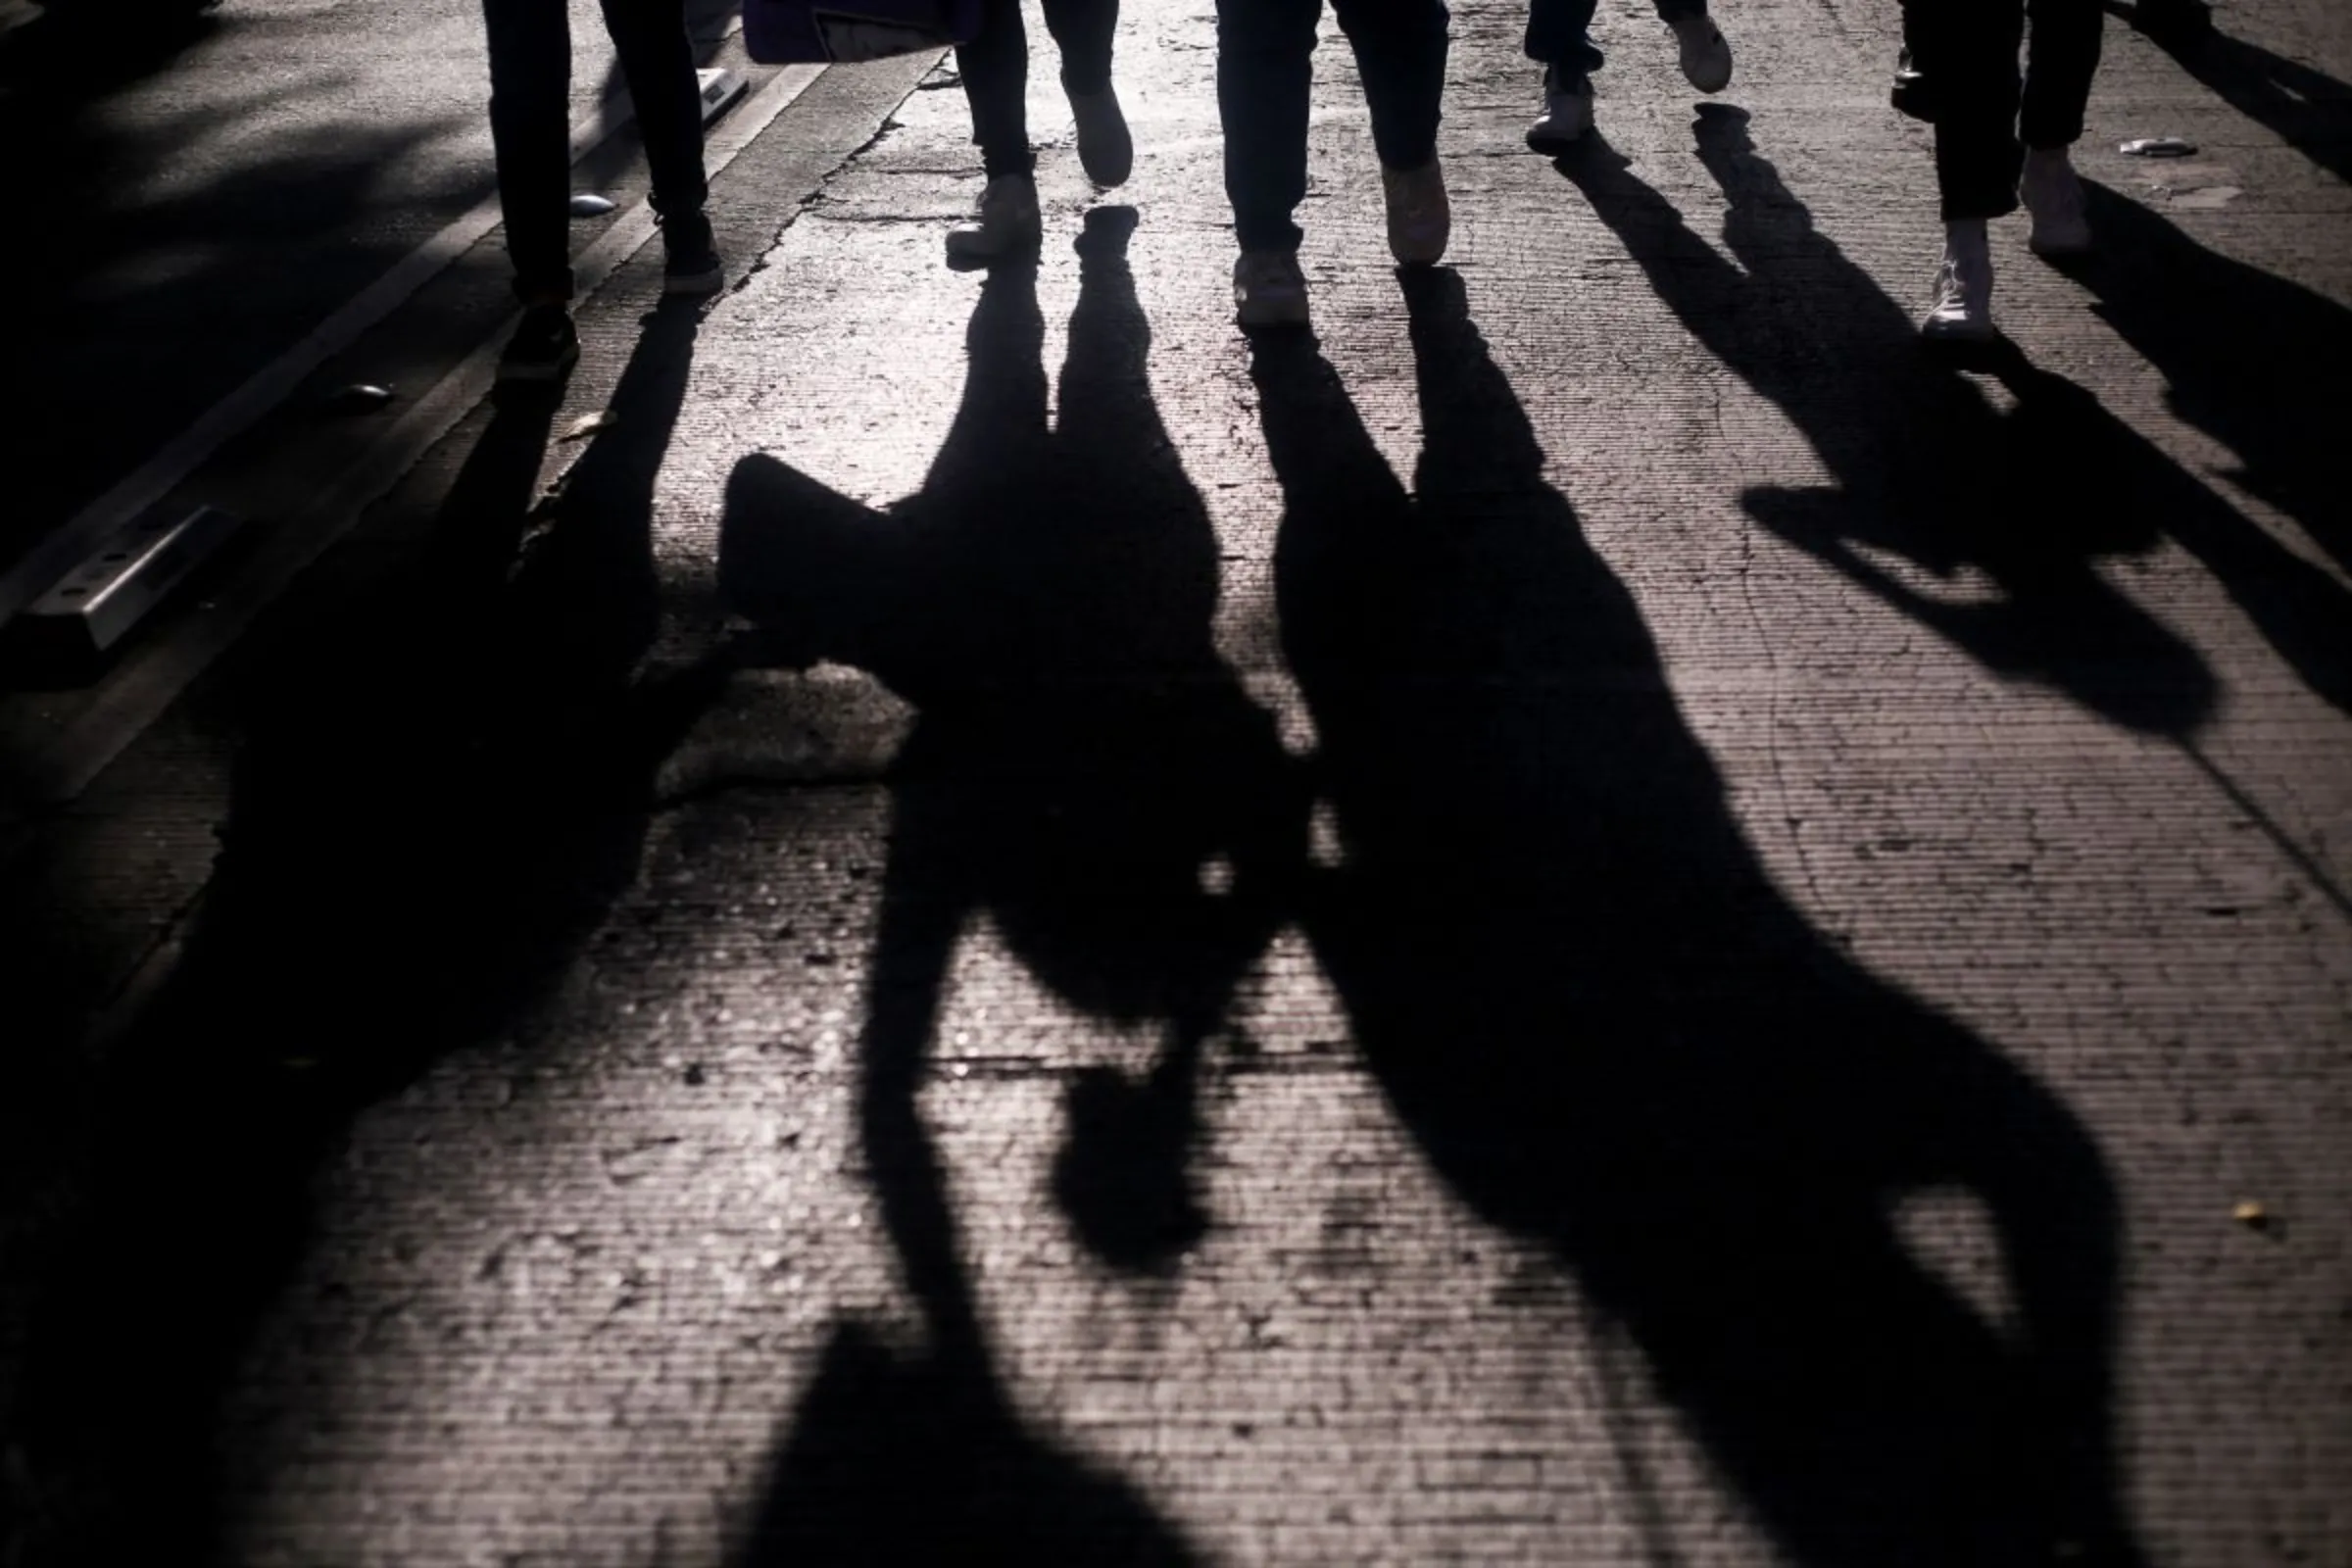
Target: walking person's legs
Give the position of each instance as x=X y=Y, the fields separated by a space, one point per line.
x=1083 y=31
x=995 y=67
x=2062 y=55
x=530 y=136
x=1559 y=38
x=1969 y=48
x=658 y=62
x=1265 y=75
x=1400 y=48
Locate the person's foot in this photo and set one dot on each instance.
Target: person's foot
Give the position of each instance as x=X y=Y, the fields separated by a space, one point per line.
x=1005 y=223
x=1963 y=308
x=1106 y=148
x=2053 y=199
x=1567 y=111
x=543 y=347
x=690 y=262
x=1268 y=290
x=1706 y=55
x=1420 y=219
x=1910 y=96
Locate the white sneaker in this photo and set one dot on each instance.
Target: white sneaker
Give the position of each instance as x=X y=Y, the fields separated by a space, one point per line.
x=1420 y=219
x=1006 y=223
x=1567 y=111
x=1706 y=55
x=2053 y=198
x=1268 y=290
x=1963 y=308
x=1106 y=148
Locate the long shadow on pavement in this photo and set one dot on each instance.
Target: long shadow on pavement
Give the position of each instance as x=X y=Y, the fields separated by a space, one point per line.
x=1610 y=1034
x=1926 y=468
x=2305 y=107
x=442 y=786
x=2251 y=358
x=1080 y=756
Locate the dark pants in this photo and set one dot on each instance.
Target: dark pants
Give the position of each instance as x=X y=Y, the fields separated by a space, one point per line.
x=995 y=67
x=530 y=122
x=1985 y=113
x=1559 y=32
x=1265 y=70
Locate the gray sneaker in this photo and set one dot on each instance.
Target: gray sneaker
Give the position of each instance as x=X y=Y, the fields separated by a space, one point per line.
x=1567 y=111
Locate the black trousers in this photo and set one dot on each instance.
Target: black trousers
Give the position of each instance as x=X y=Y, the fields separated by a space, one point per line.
x=1265 y=72
x=1986 y=114
x=995 y=67
x=530 y=128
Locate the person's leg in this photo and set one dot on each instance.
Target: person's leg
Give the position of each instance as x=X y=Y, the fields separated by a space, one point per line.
x=658 y=62
x=1559 y=38
x=995 y=67
x=2062 y=55
x=530 y=135
x=1083 y=30
x=1968 y=48
x=1559 y=33
x=1265 y=75
x=1400 y=54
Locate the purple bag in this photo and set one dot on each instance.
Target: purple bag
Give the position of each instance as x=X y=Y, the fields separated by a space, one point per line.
x=779 y=32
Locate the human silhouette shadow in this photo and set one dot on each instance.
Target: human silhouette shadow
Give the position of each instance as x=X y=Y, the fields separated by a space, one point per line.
x=1085 y=774
x=443 y=782
x=1610 y=1033
x=2249 y=358
x=2304 y=106
x=1927 y=470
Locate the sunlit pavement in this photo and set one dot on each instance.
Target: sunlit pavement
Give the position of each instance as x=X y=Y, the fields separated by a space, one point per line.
x=1601 y=915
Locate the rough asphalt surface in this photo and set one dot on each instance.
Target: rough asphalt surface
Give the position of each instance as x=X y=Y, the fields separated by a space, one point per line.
x=1600 y=917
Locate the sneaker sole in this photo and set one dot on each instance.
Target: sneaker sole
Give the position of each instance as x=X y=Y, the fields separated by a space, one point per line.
x=1937 y=331
x=1553 y=141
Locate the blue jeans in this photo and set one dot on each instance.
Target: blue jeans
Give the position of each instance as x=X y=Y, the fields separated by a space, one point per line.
x=1265 y=70
x=1559 y=32
x=530 y=121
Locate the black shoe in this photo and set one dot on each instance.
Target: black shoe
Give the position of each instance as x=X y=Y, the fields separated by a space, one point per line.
x=691 y=264
x=1911 y=95
x=543 y=346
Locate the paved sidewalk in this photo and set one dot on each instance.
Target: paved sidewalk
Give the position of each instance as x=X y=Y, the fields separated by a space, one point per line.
x=1601 y=917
